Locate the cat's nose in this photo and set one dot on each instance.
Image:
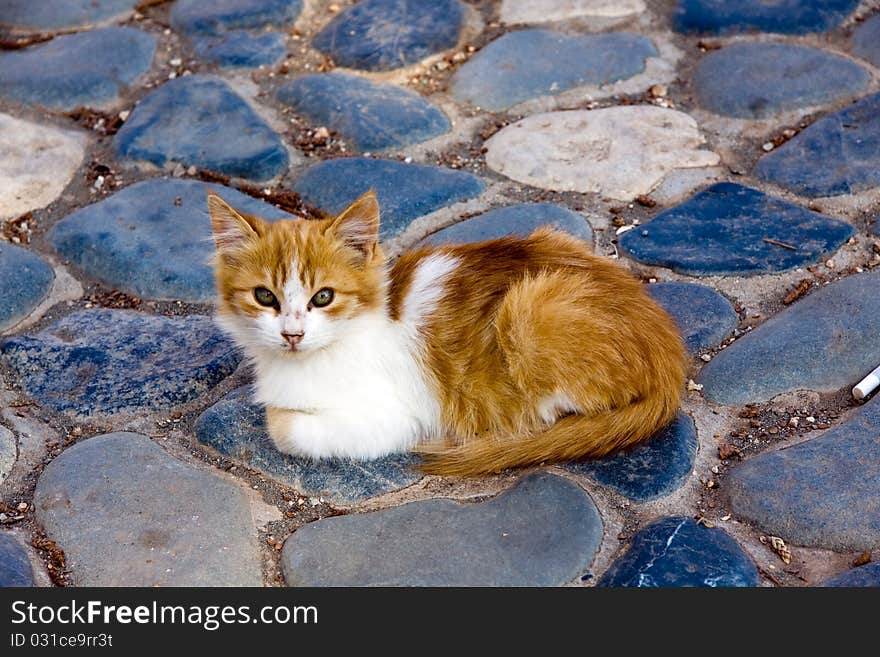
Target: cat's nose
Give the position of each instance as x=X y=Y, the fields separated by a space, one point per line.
x=293 y=339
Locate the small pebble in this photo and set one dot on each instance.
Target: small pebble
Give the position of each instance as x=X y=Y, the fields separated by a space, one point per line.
x=706 y=357
x=768 y=146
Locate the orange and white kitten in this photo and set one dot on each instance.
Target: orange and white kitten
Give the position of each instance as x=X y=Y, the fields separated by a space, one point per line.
x=484 y=356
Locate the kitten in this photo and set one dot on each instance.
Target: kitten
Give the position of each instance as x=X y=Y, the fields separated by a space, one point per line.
x=484 y=356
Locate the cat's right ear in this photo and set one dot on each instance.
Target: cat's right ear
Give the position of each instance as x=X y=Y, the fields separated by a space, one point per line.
x=358 y=224
x=231 y=229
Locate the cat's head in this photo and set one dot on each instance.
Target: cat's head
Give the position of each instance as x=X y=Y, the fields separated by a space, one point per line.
x=294 y=286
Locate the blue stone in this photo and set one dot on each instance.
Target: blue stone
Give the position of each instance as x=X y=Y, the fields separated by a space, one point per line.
x=15 y=567
x=25 y=279
x=782 y=16
x=544 y=531
x=722 y=230
x=370 y=115
x=235 y=427
x=757 y=80
x=866 y=40
x=874 y=227
x=240 y=49
x=704 y=317
x=152 y=239
x=867 y=575
x=839 y=154
x=821 y=493
x=198 y=120
x=199 y=17
x=86 y=69
x=678 y=551
x=405 y=191
x=651 y=470
x=522 y=220
x=50 y=15
x=103 y=362
x=379 y=35
x=531 y=63
x=826 y=341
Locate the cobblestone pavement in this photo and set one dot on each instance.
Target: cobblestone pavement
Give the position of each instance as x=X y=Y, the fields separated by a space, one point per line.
x=727 y=153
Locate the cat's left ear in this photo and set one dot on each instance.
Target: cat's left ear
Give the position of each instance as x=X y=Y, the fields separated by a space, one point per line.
x=358 y=225
x=231 y=229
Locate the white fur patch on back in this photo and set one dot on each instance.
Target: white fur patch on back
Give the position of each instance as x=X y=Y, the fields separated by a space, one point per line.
x=427 y=286
x=552 y=407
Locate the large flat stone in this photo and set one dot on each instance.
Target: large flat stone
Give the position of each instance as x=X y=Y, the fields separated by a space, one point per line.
x=128 y=514
x=542 y=532
x=405 y=191
x=379 y=35
x=651 y=470
x=866 y=40
x=50 y=15
x=824 y=342
x=25 y=279
x=235 y=427
x=199 y=17
x=821 y=493
x=239 y=49
x=372 y=116
x=104 y=362
x=152 y=239
x=15 y=567
x=38 y=163
x=521 y=220
x=758 y=80
x=782 y=16
x=867 y=575
x=850 y=139
x=704 y=317
x=679 y=552
x=723 y=230
x=87 y=69
x=618 y=152
x=531 y=63
x=198 y=120
x=546 y=11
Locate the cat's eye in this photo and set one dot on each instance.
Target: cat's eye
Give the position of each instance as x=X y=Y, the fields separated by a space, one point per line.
x=322 y=297
x=265 y=297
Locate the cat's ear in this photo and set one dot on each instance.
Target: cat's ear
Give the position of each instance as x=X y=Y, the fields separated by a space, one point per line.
x=358 y=224
x=231 y=229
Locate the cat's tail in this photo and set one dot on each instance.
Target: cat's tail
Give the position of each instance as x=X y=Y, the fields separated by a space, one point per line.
x=571 y=437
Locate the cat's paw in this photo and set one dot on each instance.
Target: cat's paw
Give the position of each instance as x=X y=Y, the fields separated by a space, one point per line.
x=281 y=424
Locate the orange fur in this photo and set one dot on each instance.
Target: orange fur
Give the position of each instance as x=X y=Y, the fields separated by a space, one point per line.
x=525 y=318
x=523 y=326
